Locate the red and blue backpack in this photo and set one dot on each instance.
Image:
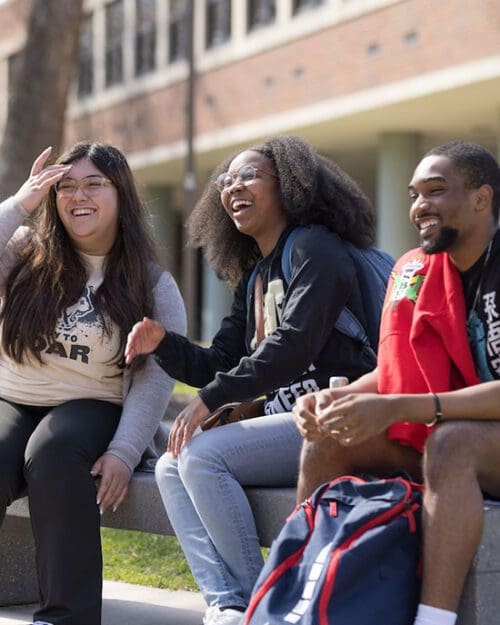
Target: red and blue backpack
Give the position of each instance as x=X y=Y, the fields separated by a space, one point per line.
x=349 y=555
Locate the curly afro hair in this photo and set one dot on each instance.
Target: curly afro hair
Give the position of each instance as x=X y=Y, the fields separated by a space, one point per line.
x=313 y=190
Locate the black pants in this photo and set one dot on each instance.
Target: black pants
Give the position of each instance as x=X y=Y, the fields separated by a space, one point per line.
x=50 y=451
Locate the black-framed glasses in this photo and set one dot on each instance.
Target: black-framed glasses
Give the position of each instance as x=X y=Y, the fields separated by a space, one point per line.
x=245 y=174
x=90 y=186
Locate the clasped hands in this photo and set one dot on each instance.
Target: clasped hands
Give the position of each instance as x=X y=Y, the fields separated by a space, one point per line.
x=350 y=418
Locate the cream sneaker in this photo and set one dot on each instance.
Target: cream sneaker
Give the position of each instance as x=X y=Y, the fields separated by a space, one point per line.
x=215 y=616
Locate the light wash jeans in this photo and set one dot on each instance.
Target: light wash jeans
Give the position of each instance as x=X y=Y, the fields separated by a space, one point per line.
x=205 y=502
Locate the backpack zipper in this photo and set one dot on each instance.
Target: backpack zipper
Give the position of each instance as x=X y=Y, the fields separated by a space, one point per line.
x=331 y=573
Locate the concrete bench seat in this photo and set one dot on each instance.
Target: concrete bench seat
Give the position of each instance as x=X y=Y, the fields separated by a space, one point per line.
x=144 y=511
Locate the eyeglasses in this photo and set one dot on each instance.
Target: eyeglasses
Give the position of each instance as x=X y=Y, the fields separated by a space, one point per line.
x=245 y=174
x=90 y=186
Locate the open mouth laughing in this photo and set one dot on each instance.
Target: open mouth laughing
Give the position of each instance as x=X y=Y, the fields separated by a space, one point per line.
x=427 y=226
x=239 y=205
x=82 y=212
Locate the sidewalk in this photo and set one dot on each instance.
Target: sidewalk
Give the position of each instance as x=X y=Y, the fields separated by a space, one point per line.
x=127 y=604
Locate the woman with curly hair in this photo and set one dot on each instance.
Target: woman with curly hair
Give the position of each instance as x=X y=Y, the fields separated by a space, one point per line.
x=73 y=281
x=253 y=202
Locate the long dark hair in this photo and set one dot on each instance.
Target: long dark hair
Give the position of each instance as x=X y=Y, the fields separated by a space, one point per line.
x=50 y=275
x=313 y=190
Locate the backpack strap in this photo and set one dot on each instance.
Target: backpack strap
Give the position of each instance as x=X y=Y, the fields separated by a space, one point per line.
x=286 y=254
x=251 y=286
x=346 y=322
x=286 y=265
x=350 y=325
x=373 y=269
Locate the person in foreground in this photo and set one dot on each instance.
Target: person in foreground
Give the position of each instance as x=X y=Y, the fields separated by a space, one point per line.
x=438 y=365
x=246 y=213
x=73 y=281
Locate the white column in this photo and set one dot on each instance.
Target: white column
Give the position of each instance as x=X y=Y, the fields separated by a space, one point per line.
x=128 y=41
x=199 y=29
x=498 y=137
x=283 y=12
x=162 y=220
x=162 y=32
x=238 y=22
x=398 y=156
x=99 y=31
x=216 y=303
x=4 y=92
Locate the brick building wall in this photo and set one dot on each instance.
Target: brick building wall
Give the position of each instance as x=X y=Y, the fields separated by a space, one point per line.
x=371 y=83
x=400 y=41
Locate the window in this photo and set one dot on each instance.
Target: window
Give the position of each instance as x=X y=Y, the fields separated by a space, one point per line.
x=178 y=30
x=260 y=13
x=145 y=36
x=85 y=80
x=114 y=43
x=218 y=19
x=304 y=5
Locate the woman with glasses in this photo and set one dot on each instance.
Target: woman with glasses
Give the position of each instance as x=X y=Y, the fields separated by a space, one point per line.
x=74 y=279
x=243 y=220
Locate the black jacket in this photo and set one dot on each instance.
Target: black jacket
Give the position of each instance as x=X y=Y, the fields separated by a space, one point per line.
x=301 y=349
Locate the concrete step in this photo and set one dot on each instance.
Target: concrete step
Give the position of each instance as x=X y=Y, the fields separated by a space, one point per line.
x=127 y=604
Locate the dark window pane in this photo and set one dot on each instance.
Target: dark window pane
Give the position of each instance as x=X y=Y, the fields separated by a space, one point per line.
x=303 y=5
x=145 y=36
x=178 y=30
x=114 y=43
x=218 y=19
x=260 y=13
x=85 y=78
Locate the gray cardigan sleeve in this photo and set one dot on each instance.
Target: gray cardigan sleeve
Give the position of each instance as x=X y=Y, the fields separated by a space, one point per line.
x=12 y=215
x=147 y=392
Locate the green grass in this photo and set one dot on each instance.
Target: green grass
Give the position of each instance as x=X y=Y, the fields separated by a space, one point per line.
x=184 y=389
x=146 y=559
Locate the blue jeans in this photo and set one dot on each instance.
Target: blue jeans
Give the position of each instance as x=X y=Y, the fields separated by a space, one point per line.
x=207 y=506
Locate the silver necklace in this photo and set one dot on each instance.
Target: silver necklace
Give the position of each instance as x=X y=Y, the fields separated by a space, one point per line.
x=480 y=283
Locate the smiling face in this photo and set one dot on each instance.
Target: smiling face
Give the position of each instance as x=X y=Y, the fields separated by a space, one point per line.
x=91 y=222
x=255 y=206
x=443 y=210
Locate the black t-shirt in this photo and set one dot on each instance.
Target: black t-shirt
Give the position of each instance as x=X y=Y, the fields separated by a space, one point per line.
x=481 y=284
x=301 y=349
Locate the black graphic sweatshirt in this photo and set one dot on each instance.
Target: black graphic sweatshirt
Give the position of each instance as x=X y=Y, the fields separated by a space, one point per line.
x=301 y=349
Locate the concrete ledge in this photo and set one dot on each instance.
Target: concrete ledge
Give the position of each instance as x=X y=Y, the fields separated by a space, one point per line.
x=142 y=510
x=480 y=603
x=18 y=580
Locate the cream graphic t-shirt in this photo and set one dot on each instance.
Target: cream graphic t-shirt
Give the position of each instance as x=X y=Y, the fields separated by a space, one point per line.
x=77 y=365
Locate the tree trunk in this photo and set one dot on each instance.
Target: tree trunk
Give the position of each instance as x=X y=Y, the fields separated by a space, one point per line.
x=39 y=88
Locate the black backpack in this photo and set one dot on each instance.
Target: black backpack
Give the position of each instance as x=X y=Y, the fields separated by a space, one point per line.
x=373 y=268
